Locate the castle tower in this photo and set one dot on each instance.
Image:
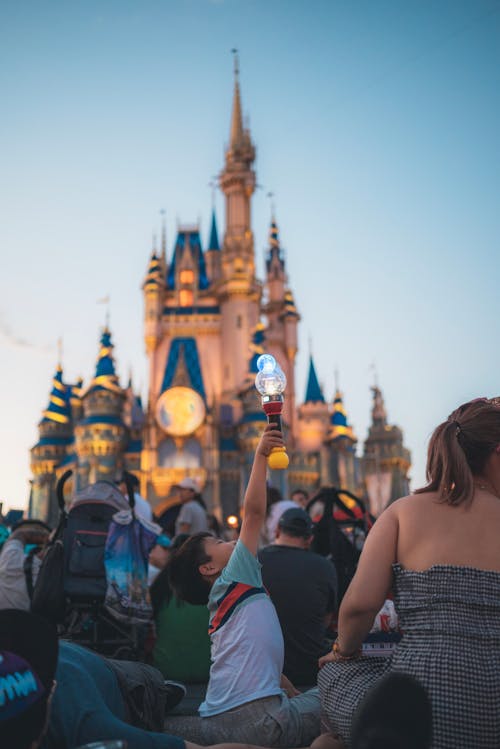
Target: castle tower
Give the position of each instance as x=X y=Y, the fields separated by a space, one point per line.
x=55 y=438
x=238 y=290
x=283 y=319
x=101 y=435
x=313 y=415
x=184 y=369
x=342 y=463
x=386 y=461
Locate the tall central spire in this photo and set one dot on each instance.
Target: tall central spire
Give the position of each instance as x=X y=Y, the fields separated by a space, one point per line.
x=236 y=117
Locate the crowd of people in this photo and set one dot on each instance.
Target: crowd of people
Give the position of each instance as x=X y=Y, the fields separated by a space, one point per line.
x=409 y=657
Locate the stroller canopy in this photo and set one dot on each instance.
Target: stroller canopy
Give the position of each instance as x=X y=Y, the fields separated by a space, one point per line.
x=103 y=492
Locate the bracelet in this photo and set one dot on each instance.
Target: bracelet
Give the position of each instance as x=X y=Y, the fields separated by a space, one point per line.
x=341 y=656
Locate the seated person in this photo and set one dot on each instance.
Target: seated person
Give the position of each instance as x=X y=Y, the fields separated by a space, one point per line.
x=182 y=647
x=62 y=700
x=14 y=592
x=244 y=699
x=303 y=587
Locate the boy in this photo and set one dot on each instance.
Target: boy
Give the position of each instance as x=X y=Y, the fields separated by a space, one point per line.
x=244 y=700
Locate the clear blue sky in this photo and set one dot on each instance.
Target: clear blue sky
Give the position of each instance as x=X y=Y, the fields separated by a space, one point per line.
x=377 y=127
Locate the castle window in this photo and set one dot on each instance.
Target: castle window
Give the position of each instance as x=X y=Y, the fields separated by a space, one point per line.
x=187 y=276
x=238 y=321
x=186 y=298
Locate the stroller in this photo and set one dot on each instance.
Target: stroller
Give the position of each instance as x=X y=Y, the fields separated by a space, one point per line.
x=72 y=586
x=341 y=524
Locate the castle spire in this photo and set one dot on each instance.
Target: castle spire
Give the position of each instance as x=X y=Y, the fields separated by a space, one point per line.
x=105 y=377
x=213 y=242
x=379 y=414
x=236 y=116
x=340 y=426
x=58 y=408
x=313 y=391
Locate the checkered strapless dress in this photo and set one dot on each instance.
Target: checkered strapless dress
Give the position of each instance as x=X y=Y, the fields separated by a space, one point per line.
x=450 y=617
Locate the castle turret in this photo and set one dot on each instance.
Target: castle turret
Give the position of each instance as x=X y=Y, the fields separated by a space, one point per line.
x=238 y=290
x=341 y=441
x=313 y=416
x=55 y=438
x=386 y=461
x=153 y=288
x=101 y=436
x=213 y=252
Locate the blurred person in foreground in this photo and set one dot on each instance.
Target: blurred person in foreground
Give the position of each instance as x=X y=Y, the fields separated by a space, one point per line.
x=438 y=550
x=59 y=696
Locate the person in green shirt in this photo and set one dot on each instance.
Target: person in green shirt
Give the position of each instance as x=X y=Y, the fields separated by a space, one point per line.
x=182 y=648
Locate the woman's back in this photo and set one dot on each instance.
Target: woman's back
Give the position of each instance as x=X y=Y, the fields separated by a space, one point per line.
x=432 y=532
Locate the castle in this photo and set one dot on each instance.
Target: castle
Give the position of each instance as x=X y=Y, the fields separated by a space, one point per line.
x=207 y=318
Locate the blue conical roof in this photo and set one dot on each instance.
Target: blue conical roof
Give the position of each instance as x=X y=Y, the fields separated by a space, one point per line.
x=153 y=276
x=58 y=408
x=105 y=377
x=213 y=242
x=313 y=391
x=340 y=425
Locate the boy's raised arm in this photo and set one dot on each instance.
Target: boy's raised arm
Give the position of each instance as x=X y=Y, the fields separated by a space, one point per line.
x=254 y=505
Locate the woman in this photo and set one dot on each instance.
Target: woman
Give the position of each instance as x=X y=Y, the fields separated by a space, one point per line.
x=439 y=551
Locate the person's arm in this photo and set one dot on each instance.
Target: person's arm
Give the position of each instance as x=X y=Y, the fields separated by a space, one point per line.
x=369 y=587
x=254 y=505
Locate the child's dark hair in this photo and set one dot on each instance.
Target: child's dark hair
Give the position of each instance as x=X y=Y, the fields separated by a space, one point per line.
x=186 y=579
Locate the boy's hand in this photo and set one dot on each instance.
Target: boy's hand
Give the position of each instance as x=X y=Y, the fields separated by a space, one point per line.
x=271 y=437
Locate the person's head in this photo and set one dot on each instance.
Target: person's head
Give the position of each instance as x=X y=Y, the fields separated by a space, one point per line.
x=395 y=714
x=188 y=489
x=127 y=478
x=195 y=566
x=465 y=446
x=300 y=497
x=295 y=528
x=28 y=662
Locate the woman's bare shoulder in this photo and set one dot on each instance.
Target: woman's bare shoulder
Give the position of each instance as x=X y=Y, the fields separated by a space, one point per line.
x=412 y=502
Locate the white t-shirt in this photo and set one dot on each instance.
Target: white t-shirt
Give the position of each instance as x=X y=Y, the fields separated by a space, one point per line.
x=194 y=515
x=246 y=640
x=275 y=513
x=13 y=588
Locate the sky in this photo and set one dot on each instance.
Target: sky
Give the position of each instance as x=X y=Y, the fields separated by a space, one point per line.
x=376 y=124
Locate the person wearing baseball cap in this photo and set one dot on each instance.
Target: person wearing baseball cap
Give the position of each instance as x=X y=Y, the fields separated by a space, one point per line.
x=193 y=517
x=303 y=588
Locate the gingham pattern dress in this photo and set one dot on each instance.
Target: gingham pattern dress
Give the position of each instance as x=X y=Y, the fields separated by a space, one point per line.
x=450 y=618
